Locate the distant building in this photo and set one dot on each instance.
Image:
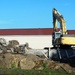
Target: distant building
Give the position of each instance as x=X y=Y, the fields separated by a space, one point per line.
x=36 y=37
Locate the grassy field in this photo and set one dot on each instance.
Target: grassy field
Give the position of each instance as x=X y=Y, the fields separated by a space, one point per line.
x=33 y=72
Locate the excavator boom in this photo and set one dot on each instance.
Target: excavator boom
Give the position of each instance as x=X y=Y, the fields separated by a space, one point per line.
x=58 y=17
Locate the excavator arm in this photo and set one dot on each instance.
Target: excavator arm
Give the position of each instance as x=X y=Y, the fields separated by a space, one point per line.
x=57 y=17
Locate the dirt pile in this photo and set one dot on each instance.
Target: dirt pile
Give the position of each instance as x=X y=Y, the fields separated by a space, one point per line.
x=9 y=60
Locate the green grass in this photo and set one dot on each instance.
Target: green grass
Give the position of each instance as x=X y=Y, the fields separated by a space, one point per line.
x=18 y=71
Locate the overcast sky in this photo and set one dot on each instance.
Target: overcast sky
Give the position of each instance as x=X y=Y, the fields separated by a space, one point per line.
x=35 y=13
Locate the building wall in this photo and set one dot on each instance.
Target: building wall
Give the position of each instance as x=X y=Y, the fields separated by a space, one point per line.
x=36 y=37
x=35 y=41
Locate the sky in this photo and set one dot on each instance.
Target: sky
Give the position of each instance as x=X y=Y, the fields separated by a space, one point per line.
x=22 y=14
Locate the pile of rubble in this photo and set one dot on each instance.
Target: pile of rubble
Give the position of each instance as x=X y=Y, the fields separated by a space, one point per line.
x=13 y=46
x=30 y=61
x=24 y=57
x=4 y=45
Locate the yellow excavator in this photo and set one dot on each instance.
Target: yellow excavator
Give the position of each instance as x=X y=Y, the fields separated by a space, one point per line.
x=60 y=37
x=62 y=41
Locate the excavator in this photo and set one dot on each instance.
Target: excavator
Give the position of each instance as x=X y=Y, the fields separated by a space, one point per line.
x=61 y=39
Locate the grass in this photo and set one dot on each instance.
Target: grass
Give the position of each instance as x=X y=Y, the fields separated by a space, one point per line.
x=18 y=71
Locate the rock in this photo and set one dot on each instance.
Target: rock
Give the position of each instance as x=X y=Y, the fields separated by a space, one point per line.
x=11 y=60
x=13 y=42
x=30 y=61
x=27 y=63
x=18 y=60
x=66 y=67
x=2 y=64
x=3 y=41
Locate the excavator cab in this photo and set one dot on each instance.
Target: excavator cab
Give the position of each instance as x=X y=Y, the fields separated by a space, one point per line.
x=55 y=37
